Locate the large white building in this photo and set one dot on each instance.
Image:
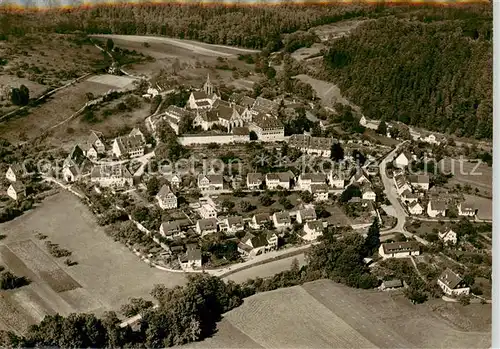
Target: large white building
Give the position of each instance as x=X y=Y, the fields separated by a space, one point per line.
x=277 y=180
x=399 y=249
x=131 y=146
x=210 y=182
x=166 y=198
x=111 y=176
x=452 y=284
x=267 y=127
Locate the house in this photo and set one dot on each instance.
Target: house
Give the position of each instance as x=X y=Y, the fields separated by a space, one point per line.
x=171 y=230
x=272 y=240
x=408 y=197
x=312 y=230
x=452 y=284
x=14 y=173
x=234 y=224
x=399 y=249
x=359 y=178
x=252 y=245
x=173 y=115
x=279 y=180
x=259 y=219
x=131 y=146
x=306 y=215
x=16 y=191
x=267 y=128
x=76 y=158
x=466 y=209
x=319 y=191
x=210 y=182
x=431 y=139
x=166 y=198
x=281 y=220
x=448 y=236
x=371 y=124
x=175 y=180
x=254 y=181
x=403 y=160
x=96 y=141
x=264 y=106
x=336 y=179
x=241 y=99
x=208 y=211
x=320 y=146
x=415 y=208
x=206 y=226
x=367 y=193
x=419 y=182
x=391 y=284
x=192 y=258
x=111 y=176
x=305 y=180
x=401 y=184
x=70 y=174
x=436 y=208
x=90 y=151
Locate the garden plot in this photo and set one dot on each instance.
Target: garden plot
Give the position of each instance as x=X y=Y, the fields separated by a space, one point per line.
x=114 y=81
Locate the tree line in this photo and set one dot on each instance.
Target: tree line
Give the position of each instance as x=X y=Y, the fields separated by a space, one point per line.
x=434 y=72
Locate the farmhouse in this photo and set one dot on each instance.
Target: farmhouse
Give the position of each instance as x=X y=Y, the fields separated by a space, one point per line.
x=171 y=230
x=267 y=127
x=254 y=181
x=436 y=208
x=399 y=249
x=312 y=230
x=448 y=236
x=452 y=284
x=368 y=193
x=166 y=198
x=415 y=208
x=210 y=182
x=111 y=176
x=206 y=226
x=259 y=219
x=14 y=173
x=281 y=220
x=16 y=191
x=306 y=215
x=403 y=160
x=419 y=182
x=319 y=191
x=466 y=209
x=192 y=258
x=131 y=146
x=279 y=180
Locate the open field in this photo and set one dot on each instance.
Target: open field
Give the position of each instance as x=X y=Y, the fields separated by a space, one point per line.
x=305 y=52
x=476 y=175
x=336 y=30
x=106 y=275
x=484 y=206
x=113 y=81
x=323 y=314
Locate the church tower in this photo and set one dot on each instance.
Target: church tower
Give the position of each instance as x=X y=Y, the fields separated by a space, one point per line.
x=208 y=87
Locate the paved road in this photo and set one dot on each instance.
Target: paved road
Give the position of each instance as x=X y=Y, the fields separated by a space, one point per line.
x=391 y=193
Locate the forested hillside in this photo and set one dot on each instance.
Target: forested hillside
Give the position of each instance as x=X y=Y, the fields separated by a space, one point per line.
x=434 y=72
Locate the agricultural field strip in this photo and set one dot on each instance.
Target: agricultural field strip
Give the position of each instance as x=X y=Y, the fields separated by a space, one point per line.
x=310 y=324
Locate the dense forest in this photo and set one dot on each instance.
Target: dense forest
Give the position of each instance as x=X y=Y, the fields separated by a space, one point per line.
x=433 y=72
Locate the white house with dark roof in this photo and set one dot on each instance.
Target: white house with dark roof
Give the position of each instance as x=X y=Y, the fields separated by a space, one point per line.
x=254 y=181
x=306 y=215
x=166 y=198
x=408 y=197
x=305 y=180
x=319 y=192
x=448 y=236
x=234 y=224
x=131 y=146
x=436 y=208
x=259 y=219
x=192 y=258
x=359 y=178
x=312 y=230
x=14 y=173
x=320 y=146
x=206 y=226
x=252 y=245
x=277 y=180
x=96 y=140
x=208 y=211
x=452 y=284
x=111 y=176
x=282 y=220
x=210 y=182
x=415 y=208
x=367 y=193
x=267 y=128
x=466 y=209
x=171 y=230
x=16 y=190
x=399 y=249
x=336 y=179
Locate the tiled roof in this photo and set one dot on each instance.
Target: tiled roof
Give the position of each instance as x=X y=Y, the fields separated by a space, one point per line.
x=450 y=278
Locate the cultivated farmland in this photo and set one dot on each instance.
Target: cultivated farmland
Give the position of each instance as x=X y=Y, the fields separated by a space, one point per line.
x=106 y=275
x=323 y=314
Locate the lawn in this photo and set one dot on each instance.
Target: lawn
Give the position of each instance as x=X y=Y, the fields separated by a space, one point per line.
x=106 y=275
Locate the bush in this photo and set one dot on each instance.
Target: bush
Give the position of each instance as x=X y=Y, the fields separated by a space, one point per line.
x=56 y=251
x=9 y=281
